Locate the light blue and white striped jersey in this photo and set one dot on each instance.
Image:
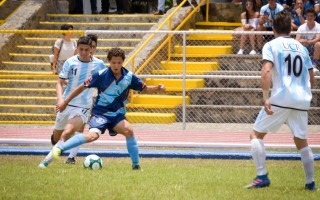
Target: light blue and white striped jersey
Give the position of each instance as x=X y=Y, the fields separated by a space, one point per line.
x=77 y=72
x=265 y=10
x=291 y=87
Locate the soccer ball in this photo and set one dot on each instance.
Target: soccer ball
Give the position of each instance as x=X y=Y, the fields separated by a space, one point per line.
x=93 y=162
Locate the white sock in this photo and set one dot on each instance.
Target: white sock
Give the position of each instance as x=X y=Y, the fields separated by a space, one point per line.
x=49 y=157
x=258 y=152
x=74 y=151
x=308 y=163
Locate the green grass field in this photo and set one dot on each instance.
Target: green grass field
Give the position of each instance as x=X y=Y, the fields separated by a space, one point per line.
x=20 y=178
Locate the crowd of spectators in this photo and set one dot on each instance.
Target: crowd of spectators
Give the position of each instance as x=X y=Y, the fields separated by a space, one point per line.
x=305 y=18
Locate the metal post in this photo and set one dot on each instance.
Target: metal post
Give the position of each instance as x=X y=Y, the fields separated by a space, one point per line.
x=184 y=81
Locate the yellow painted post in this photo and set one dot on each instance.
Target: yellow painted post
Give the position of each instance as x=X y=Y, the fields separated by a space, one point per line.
x=207 y=11
x=170 y=36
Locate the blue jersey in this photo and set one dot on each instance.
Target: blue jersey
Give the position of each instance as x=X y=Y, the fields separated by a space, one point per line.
x=77 y=72
x=112 y=93
x=291 y=87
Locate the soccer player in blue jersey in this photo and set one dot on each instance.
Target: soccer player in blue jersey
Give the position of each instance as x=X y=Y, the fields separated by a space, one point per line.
x=76 y=70
x=113 y=86
x=287 y=65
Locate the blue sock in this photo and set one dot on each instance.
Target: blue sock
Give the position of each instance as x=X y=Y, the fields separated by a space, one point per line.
x=133 y=150
x=72 y=142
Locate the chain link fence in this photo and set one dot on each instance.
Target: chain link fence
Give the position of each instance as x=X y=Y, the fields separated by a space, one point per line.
x=208 y=83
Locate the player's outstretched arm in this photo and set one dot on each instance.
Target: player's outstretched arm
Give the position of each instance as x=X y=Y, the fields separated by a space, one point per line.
x=153 y=89
x=63 y=104
x=266 y=78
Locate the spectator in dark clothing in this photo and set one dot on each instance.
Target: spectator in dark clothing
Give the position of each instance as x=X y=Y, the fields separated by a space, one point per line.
x=79 y=6
x=105 y=4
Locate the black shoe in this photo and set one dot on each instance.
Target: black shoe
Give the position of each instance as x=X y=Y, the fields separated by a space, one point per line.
x=94 y=12
x=159 y=12
x=112 y=133
x=71 y=161
x=310 y=186
x=120 y=12
x=137 y=167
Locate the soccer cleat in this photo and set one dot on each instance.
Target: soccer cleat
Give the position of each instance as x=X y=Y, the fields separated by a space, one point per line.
x=112 y=133
x=259 y=182
x=137 y=167
x=310 y=186
x=71 y=161
x=56 y=152
x=43 y=164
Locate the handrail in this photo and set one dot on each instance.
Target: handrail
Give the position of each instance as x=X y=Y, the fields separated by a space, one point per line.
x=169 y=37
x=80 y=32
x=2 y=2
x=131 y=59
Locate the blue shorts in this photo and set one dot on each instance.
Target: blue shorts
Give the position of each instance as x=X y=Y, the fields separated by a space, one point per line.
x=103 y=123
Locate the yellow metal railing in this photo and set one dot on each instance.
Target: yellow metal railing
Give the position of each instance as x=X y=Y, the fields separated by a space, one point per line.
x=168 y=40
x=167 y=20
x=2 y=2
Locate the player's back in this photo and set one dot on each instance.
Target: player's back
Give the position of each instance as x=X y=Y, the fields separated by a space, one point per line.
x=290 y=75
x=77 y=72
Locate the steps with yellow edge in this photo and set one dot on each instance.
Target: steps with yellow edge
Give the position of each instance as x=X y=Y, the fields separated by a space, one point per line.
x=155 y=118
x=157 y=101
x=204 y=50
x=217 y=35
x=190 y=66
x=176 y=84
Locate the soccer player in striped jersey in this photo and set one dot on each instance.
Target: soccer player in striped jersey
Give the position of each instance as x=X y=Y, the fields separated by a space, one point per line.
x=113 y=86
x=76 y=70
x=287 y=65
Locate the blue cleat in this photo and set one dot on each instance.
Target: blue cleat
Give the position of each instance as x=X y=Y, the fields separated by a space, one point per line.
x=56 y=152
x=259 y=182
x=310 y=186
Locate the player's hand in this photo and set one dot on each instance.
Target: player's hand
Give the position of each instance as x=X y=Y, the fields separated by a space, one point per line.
x=61 y=105
x=161 y=88
x=267 y=107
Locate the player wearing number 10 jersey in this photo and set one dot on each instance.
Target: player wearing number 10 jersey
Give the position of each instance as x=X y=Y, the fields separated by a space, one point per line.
x=286 y=63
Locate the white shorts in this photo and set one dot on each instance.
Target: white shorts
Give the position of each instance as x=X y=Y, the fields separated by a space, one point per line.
x=69 y=113
x=296 y=120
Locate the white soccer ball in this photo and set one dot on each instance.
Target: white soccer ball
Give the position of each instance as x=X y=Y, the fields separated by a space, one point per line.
x=93 y=162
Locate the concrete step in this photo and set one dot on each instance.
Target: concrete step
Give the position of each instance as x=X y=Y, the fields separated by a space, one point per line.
x=20 y=117
x=24 y=108
x=232 y=114
x=19 y=83
x=207 y=37
x=43 y=92
x=218 y=25
x=248 y=62
x=104 y=18
x=26 y=66
x=161 y=100
x=204 y=50
x=15 y=74
x=28 y=100
x=155 y=118
x=235 y=96
x=175 y=72
x=176 y=84
x=98 y=25
x=34 y=49
x=29 y=57
x=190 y=66
x=47 y=41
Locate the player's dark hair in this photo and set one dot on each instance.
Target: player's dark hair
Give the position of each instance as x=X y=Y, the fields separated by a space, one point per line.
x=93 y=37
x=116 y=52
x=282 y=22
x=84 y=40
x=311 y=10
x=66 y=27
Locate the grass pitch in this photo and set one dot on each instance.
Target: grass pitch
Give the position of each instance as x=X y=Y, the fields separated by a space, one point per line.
x=20 y=178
